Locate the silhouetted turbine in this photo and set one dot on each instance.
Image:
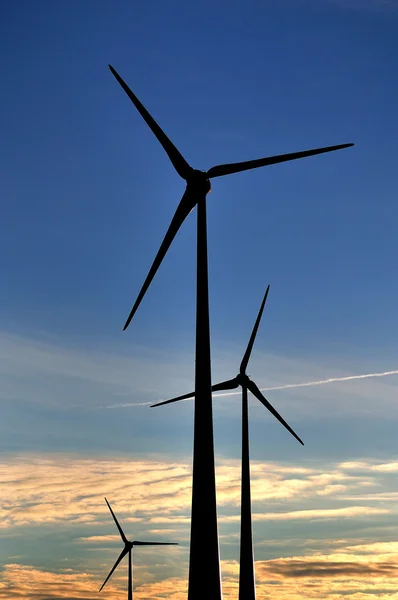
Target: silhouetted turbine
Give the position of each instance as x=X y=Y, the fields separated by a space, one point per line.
x=247 y=586
x=128 y=548
x=198 y=184
x=204 y=505
x=242 y=379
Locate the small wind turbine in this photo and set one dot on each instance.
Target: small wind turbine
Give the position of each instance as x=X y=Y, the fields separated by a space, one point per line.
x=247 y=586
x=204 y=504
x=128 y=549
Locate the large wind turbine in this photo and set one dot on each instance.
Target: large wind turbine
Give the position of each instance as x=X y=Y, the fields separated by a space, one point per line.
x=247 y=585
x=204 y=507
x=128 y=549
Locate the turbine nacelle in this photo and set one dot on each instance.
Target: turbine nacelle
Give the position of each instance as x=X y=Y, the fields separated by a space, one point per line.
x=199 y=182
x=242 y=379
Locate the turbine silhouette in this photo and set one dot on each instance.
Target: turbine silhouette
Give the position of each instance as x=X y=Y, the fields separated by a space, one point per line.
x=247 y=586
x=128 y=548
x=198 y=182
x=204 y=505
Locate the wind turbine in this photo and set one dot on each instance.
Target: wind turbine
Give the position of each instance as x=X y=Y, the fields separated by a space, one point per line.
x=247 y=585
x=128 y=549
x=204 y=506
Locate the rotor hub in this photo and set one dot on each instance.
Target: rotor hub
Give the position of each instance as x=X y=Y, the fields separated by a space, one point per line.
x=199 y=181
x=242 y=378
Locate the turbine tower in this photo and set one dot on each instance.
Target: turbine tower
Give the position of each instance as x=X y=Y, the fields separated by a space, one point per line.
x=128 y=549
x=204 y=506
x=247 y=584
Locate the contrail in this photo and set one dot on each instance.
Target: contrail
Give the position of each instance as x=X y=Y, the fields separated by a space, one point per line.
x=126 y=404
x=285 y=387
x=319 y=382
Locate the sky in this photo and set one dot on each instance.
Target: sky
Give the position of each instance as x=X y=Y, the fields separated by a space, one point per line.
x=87 y=195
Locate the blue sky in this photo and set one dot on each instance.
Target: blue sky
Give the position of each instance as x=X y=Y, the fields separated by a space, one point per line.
x=87 y=196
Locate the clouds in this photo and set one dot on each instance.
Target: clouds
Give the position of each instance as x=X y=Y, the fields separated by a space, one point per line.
x=151 y=498
x=44 y=490
x=360 y=571
x=389 y=467
x=66 y=488
x=19 y=582
x=52 y=372
x=61 y=374
x=331 y=513
x=325 y=567
x=316 y=569
x=62 y=494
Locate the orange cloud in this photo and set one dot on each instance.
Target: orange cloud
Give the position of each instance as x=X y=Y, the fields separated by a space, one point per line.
x=68 y=488
x=19 y=582
x=315 y=569
x=152 y=498
x=361 y=571
x=328 y=513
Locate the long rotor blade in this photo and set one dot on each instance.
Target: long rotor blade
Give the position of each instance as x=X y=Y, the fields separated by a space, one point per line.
x=117 y=523
x=135 y=543
x=256 y=392
x=122 y=555
x=245 y=360
x=228 y=169
x=229 y=384
x=177 y=160
x=176 y=222
x=225 y=385
x=184 y=397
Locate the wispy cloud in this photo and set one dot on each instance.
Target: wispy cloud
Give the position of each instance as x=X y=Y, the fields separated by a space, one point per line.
x=65 y=488
x=48 y=372
x=310 y=515
x=101 y=539
x=284 y=386
x=357 y=571
x=152 y=498
x=18 y=582
x=388 y=467
x=314 y=569
x=328 y=513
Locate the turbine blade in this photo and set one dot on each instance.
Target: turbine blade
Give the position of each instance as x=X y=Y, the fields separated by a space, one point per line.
x=184 y=397
x=230 y=384
x=177 y=160
x=226 y=385
x=122 y=555
x=246 y=357
x=228 y=169
x=135 y=543
x=117 y=523
x=176 y=222
x=256 y=392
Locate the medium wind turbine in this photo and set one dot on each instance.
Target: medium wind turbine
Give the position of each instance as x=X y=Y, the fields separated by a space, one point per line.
x=204 y=506
x=128 y=549
x=247 y=585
